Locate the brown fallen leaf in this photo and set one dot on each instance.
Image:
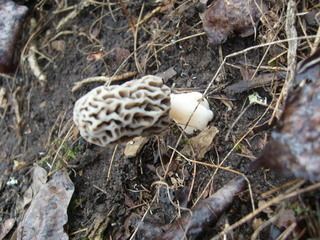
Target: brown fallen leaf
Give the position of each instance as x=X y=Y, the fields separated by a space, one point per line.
x=226 y=17
x=294 y=146
x=12 y=16
x=201 y=143
x=47 y=214
x=203 y=215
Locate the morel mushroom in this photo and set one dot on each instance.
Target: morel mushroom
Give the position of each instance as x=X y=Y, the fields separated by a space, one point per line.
x=112 y=114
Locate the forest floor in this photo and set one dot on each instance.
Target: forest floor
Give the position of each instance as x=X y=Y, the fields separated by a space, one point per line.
x=130 y=39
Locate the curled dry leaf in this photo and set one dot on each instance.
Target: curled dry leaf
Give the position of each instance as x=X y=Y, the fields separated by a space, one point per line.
x=47 y=214
x=224 y=18
x=294 y=145
x=204 y=214
x=12 y=16
x=201 y=143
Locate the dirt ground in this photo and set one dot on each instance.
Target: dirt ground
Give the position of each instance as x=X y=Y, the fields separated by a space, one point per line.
x=113 y=192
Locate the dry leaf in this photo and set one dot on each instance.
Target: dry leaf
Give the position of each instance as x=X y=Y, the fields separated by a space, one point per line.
x=96 y=56
x=134 y=146
x=286 y=218
x=47 y=214
x=39 y=178
x=224 y=18
x=58 y=45
x=201 y=143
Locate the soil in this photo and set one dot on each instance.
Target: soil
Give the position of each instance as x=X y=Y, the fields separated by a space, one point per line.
x=107 y=201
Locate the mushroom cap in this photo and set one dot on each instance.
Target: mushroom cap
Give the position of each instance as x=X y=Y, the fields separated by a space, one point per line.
x=117 y=113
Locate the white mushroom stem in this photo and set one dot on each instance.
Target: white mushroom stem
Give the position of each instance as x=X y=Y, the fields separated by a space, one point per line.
x=190 y=109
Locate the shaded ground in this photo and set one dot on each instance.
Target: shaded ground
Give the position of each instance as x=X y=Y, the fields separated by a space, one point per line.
x=111 y=201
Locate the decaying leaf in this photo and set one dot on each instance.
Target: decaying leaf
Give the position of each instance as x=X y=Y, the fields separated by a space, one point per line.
x=39 y=178
x=12 y=16
x=203 y=215
x=47 y=214
x=58 y=45
x=294 y=145
x=201 y=143
x=6 y=227
x=286 y=218
x=134 y=146
x=226 y=17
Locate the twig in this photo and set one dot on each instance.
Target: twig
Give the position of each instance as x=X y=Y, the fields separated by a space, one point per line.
x=104 y=79
x=34 y=66
x=16 y=105
x=111 y=162
x=78 y=8
x=291 y=33
x=135 y=41
x=316 y=41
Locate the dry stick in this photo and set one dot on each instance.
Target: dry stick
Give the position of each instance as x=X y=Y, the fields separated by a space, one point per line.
x=271 y=220
x=237 y=119
x=34 y=66
x=135 y=40
x=104 y=79
x=111 y=162
x=287 y=232
x=279 y=188
x=143 y=217
x=111 y=11
x=216 y=167
x=78 y=8
x=177 y=41
x=304 y=31
x=316 y=41
x=276 y=200
x=149 y=15
x=291 y=32
x=59 y=148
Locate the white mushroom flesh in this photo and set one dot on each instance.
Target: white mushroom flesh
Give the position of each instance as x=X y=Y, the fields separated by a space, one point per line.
x=186 y=104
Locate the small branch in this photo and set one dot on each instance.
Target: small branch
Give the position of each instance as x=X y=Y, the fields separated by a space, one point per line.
x=103 y=79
